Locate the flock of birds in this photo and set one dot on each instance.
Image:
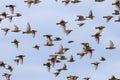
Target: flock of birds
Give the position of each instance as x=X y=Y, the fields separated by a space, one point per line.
x=58 y=56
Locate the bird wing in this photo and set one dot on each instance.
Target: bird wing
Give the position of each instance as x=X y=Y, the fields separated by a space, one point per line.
x=16 y=27
x=28 y=27
x=111 y=44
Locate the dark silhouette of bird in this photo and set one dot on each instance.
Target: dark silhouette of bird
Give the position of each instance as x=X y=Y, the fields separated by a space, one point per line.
x=118 y=20
x=97 y=36
x=36 y=47
x=48 y=65
x=33 y=33
x=57 y=39
x=16 y=29
x=29 y=2
x=18 y=14
x=116 y=12
x=96 y=64
x=10 y=68
x=111 y=46
x=16 y=61
x=82 y=54
x=62 y=57
x=21 y=58
x=28 y=29
x=2 y=64
x=5 y=30
x=67 y=32
x=7 y=76
x=80 y=24
x=4 y=14
x=90 y=15
x=100 y=28
x=86 y=78
x=80 y=18
x=71 y=59
x=108 y=18
x=16 y=43
x=102 y=59
x=11 y=7
x=49 y=40
x=75 y=1
x=62 y=23
x=99 y=0
x=113 y=78
x=66 y=2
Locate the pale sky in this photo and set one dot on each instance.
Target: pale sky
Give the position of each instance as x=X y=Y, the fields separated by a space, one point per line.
x=43 y=18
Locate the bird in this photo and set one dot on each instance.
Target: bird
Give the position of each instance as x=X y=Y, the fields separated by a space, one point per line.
x=67 y=32
x=90 y=15
x=96 y=64
x=29 y=3
x=71 y=59
x=75 y=1
x=49 y=40
x=33 y=33
x=111 y=46
x=66 y=2
x=102 y=59
x=108 y=18
x=28 y=29
x=36 y=47
x=16 y=29
x=10 y=18
x=60 y=50
x=86 y=78
x=80 y=18
x=62 y=57
x=10 y=68
x=36 y=1
x=70 y=41
x=2 y=64
x=116 y=12
x=82 y=54
x=64 y=67
x=16 y=43
x=57 y=39
x=18 y=14
x=80 y=24
x=16 y=61
x=11 y=7
x=48 y=65
x=5 y=30
x=7 y=76
x=71 y=77
x=56 y=73
x=118 y=20
x=117 y=4
x=97 y=36
x=100 y=28
x=62 y=23
x=4 y=14
x=99 y=0
x=1 y=19
x=113 y=78
x=21 y=58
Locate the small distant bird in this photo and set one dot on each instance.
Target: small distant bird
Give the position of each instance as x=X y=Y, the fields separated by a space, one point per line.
x=97 y=37
x=60 y=50
x=80 y=18
x=28 y=29
x=99 y=0
x=16 y=29
x=117 y=4
x=116 y=12
x=111 y=46
x=49 y=40
x=36 y=47
x=75 y=1
x=62 y=23
x=66 y=2
x=71 y=77
x=16 y=61
x=100 y=28
x=102 y=59
x=5 y=30
x=86 y=78
x=29 y=2
x=113 y=78
x=2 y=64
x=48 y=65
x=70 y=41
x=108 y=18
x=18 y=14
x=11 y=7
x=10 y=68
x=71 y=59
x=1 y=19
x=90 y=15
x=96 y=64
x=4 y=14
x=56 y=73
x=67 y=32
x=64 y=67
x=57 y=39
x=82 y=54
x=7 y=76
x=33 y=33
x=62 y=57
x=80 y=24
x=16 y=43
x=21 y=58
x=10 y=18
x=36 y=1
x=118 y=20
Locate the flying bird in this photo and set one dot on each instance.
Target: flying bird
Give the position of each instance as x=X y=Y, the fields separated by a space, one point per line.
x=111 y=46
x=11 y=7
x=16 y=43
x=96 y=64
x=5 y=30
x=90 y=15
x=21 y=58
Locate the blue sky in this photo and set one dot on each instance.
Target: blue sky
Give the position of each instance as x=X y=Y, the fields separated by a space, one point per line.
x=43 y=18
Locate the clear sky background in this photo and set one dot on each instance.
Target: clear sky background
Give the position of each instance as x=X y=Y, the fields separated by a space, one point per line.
x=43 y=18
